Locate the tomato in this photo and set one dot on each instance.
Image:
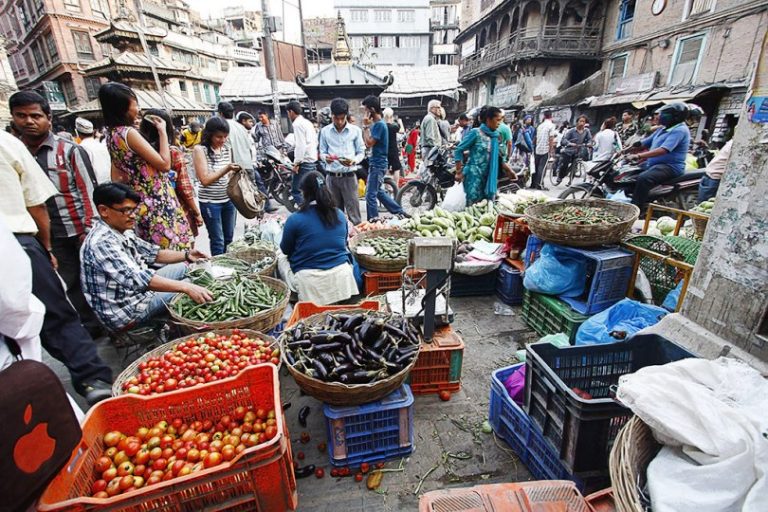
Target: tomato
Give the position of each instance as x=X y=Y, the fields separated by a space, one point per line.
x=319 y=473
x=212 y=459
x=101 y=495
x=300 y=455
x=239 y=413
x=111 y=452
x=126 y=468
x=193 y=455
x=322 y=447
x=160 y=464
x=379 y=465
x=113 y=487
x=334 y=472
x=271 y=431
x=364 y=467
x=445 y=395
x=120 y=457
x=112 y=438
x=110 y=474
x=358 y=477
x=228 y=452
x=102 y=464
x=177 y=465
x=138 y=481
x=99 y=486
x=305 y=437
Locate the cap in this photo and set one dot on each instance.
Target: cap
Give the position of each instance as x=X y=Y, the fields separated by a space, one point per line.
x=83 y=126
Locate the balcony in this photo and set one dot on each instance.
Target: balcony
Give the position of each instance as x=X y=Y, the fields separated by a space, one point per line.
x=533 y=42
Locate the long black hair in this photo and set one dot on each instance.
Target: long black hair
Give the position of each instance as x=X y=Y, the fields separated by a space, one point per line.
x=489 y=112
x=314 y=188
x=149 y=131
x=115 y=98
x=212 y=126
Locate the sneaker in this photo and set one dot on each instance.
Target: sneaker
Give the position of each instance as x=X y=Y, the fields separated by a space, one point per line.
x=270 y=207
x=403 y=215
x=96 y=391
x=375 y=219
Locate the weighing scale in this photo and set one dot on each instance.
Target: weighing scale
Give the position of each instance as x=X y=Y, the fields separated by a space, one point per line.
x=425 y=298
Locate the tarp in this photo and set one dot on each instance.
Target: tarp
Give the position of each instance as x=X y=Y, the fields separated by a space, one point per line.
x=415 y=81
x=251 y=84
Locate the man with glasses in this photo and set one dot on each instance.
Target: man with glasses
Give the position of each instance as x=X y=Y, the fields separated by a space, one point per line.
x=430 y=129
x=118 y=269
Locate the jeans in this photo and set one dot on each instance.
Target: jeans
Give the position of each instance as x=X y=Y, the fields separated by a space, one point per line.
x=296 y=180
x=256 y=179
x=62 y=335
x=374 y=193
x=566 y=159
x=220 y=221
x=541 y=163
x=174 y=271
x=67 y=252
x=648 y=179
x=708 y=188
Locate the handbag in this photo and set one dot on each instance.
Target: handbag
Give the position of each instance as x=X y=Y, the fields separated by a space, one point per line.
x=248 y=200
x=39 y=430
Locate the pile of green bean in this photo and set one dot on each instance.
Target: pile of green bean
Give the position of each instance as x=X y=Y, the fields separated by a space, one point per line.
x=388 y=248
x=581 y=215
x=234 y=298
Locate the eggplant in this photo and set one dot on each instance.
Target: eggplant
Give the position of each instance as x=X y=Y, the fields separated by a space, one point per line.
x=289 y=357
x=293 y=345
x=303 y=413
x=390 y=352
x=305 y=471
x=352 y=322
x=321 y=370
x=381 y=342
x=326 y=358
x=401 y=360
x=342 y=369
x=350 y=355
x=359 y=376
x=325 y=347
x=395 y=331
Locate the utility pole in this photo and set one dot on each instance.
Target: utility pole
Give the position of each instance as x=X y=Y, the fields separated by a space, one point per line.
x=140 y=26
x=303 y=43
x=269 y=56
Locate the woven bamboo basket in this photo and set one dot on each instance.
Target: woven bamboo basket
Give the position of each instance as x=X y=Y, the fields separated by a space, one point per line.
x=263 y=321
x=373 y=263
x=577 y=235
x=632 y=451
x=336 y=393
x=133 y=369
x=252 y=255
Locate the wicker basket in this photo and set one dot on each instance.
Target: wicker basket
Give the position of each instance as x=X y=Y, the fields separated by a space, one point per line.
x=133 y=369
x=263 y=321
x=632 y=451
x=336 y=393
x=373 y=263
x=577 y=235
x=252 y=255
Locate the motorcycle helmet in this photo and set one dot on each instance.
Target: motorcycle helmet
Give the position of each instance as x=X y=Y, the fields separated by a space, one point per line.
x=672 y=114
x=324 y=116
x=695 y=113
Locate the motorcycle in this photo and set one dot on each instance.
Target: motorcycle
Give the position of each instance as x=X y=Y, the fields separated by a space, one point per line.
x=276 y=170
x=618 y=174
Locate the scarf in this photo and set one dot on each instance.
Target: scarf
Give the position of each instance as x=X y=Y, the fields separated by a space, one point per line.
x=493 y=172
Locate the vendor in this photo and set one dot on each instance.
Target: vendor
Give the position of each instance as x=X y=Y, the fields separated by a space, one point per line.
x=316 y=263
x=117 y=275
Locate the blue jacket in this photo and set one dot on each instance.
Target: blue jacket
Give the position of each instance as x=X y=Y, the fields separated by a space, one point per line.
x=310 y=244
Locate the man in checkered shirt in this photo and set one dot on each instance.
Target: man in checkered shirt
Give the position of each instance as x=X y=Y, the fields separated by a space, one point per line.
x=118 y=277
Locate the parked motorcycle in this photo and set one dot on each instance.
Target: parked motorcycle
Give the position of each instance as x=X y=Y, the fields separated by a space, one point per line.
x=277 y=172
x=618 y=174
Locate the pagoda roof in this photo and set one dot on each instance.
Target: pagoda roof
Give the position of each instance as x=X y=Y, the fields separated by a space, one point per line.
x=147 y=99
x=136 y=62
x=124 y=29
x=345 y=75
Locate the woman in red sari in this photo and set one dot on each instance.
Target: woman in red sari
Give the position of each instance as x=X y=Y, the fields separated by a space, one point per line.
x=412 y=146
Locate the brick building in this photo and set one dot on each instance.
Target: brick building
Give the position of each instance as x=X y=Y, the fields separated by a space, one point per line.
x=7 y=84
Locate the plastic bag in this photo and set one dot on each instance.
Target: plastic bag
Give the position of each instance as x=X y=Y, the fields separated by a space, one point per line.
x=618 y=323
x=515 y=385
x=670 y=301
x=619 y=196
x=556 y=272
x=455 y=198
x=559 y=340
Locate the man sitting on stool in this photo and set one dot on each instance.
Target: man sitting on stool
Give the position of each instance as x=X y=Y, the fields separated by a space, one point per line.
x=117 y=277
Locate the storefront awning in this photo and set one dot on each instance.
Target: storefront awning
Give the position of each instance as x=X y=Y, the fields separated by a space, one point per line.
x=619 y=99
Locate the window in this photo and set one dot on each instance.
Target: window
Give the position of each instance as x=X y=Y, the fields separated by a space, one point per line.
x=406 y=16
x=72 y=5
x=38 y=6
x=699 y=7
x=409 y=42
x=183 y=87
x=207 y=90
x=384 y=41
x=23 y=14
x=69 y=92
x=685 y=64
x=38 y=55
x=83 y=44
x=357 y=42
x=626 y=15
x=92 y=85
x=196 y=89
x=360 y=15
x=100 y=9
x=153 y=49
x=618 y=67
x=216 y=93
x=28 y=62
x=382 y=16
x=50 y=44
x=224 y=65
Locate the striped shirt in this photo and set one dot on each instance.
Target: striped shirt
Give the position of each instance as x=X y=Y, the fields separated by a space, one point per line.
x=69 y=169
x=216 y=192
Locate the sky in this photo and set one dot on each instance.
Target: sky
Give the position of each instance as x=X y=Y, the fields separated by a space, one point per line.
x=311 y=8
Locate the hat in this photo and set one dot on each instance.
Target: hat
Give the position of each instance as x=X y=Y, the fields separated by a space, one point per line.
x=83 y=126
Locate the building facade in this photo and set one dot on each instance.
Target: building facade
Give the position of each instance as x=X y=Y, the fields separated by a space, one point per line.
x=320 y=39
x=521 y=52
x=7 y=84
x=387 y=34
x=444 y=25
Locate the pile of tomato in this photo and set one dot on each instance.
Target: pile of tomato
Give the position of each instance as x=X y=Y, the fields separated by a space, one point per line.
x=173 y=449
x=207 y=358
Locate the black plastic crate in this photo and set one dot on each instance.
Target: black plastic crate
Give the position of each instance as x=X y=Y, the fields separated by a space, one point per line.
x=583 y=429
x=463 y=285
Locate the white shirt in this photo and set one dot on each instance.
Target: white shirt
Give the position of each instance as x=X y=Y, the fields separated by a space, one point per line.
x=304 y=132
x=544 y=131
x=605 y=145
x=239 y=142
x=716 y=166
x=100 y=160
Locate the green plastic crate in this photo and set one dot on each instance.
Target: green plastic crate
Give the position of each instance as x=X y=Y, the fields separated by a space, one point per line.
x=549 y=315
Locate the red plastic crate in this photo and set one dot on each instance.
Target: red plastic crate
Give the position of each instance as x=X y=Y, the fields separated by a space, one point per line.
x=515 y=228
x=306 y=309
x=261 y=478
x=601 y=501
x=438 y=367
x=380 y=282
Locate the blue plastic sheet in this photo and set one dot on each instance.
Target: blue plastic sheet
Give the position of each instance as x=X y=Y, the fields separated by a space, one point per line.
x=670 y=301
x=619 y=322
x=557 y=272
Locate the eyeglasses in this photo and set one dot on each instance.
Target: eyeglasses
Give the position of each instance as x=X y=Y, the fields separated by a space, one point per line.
x=126 y=211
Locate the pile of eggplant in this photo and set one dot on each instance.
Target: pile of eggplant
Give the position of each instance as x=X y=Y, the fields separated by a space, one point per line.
x=352 y=348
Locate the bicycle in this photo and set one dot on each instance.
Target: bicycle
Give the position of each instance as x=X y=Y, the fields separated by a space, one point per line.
x=576 y=169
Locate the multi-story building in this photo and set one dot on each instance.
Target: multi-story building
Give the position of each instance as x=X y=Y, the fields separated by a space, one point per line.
x=320 y=39
x=242 y=25
x=7 y=83
x=50 y=42
x=383 y=34
x=444 y=25
x=516 y=53
x=687 y=50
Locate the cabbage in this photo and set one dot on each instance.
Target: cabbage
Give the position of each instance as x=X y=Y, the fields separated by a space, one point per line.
x=654 y=232
x=666 y=225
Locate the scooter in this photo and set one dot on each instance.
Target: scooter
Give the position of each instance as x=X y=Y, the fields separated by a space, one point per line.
x=277 y=172
x=619 y=174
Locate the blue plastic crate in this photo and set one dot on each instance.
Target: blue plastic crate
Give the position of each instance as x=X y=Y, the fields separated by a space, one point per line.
x=609 y=270
x=372 y=432
x=509 y=285
x=532 y=250
x=463 y=285
x=511 y=423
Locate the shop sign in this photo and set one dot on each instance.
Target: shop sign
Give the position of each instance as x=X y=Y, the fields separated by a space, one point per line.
x=632 y=84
